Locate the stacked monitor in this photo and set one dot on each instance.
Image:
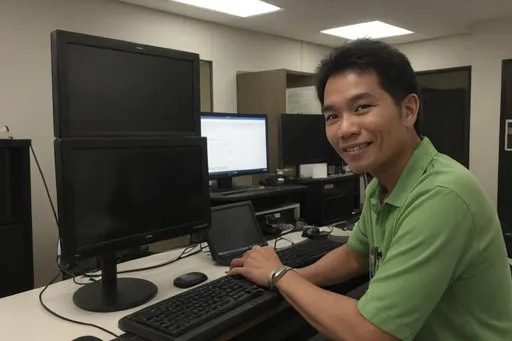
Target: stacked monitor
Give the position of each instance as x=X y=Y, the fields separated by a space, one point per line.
x=237 y=145
x=110 y=88
x=131 y=166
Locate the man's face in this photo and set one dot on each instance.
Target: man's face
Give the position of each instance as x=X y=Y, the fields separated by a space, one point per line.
x=363 y=122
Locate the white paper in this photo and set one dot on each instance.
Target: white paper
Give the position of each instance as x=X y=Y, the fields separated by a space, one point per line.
x=302 y=101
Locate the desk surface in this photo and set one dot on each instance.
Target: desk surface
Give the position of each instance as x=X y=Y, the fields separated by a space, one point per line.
x=23 y=318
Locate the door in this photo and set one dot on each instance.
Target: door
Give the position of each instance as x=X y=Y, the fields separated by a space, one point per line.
x=445 y=110
x=505 y=148
x=444 y=122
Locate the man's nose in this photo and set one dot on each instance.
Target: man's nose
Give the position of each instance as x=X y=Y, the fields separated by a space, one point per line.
x=347 y=128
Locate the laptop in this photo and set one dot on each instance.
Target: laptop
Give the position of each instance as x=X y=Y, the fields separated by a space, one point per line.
x=234 y=230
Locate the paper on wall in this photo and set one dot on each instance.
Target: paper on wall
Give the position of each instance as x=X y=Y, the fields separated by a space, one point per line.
x=302 y=100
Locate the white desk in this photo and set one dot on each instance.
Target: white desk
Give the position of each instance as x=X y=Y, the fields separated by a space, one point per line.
x=23 y=318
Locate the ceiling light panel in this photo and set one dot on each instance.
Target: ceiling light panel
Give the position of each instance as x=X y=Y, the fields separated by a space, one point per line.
x=372 y=29
x=239 y=8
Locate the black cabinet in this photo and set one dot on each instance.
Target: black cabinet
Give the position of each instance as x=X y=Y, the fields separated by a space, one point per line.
x=332 y=199
x=16 y=255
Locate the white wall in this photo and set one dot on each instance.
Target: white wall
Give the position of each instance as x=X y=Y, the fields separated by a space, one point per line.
x=484 y=50
x=25 y=75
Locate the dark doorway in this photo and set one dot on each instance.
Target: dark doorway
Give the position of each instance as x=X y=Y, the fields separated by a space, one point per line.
x=445 y=112
x=505 y=147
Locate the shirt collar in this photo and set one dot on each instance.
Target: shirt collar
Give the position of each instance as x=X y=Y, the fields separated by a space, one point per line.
x=410 y=176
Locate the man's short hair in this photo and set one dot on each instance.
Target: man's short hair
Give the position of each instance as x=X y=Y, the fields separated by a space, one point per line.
x=393 y=69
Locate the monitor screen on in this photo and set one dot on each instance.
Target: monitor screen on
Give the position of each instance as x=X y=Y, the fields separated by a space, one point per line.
x=105 y=87
x=237 y=143
x=120 y=193
x=303 y=141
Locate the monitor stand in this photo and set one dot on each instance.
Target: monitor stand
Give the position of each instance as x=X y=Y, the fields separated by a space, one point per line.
x=225 y=185
x=111 y=293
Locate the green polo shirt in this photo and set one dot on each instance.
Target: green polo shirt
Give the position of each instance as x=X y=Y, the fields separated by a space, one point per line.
x=437 y=256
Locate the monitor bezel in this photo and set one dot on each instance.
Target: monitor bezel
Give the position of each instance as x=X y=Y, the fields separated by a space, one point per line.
x=220 y=175
x=61 y=114
x=67 y=236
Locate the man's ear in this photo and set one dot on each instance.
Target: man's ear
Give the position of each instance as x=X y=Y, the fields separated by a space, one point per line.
x=410 y=109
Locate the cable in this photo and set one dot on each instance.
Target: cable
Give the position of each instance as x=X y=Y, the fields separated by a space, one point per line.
x=45 y=185
x=184 y=254
x=51 y=312
x=204 y=247
x=282 y=238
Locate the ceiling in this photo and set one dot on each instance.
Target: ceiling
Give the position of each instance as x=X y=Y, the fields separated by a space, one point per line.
x=304 y=19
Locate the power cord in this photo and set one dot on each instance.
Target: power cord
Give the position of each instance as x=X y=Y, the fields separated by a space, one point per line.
x=45 y=185
x=51 y=312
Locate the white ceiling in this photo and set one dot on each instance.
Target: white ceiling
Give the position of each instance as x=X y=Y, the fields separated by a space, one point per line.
x=304 y=19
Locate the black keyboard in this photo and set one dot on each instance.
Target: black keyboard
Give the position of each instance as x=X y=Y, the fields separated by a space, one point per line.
x=307 y=252
x=209 y=309
x=201 y=312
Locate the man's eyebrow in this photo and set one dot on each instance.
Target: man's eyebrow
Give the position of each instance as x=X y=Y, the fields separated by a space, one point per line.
x=355 y=98
x=327 y=108
x=362 y=95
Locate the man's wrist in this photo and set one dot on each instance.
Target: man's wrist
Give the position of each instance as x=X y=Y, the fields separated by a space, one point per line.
x=287 y=278
x=276 y=275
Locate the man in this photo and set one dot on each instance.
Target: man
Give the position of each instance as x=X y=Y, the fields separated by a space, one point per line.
x=428 y=235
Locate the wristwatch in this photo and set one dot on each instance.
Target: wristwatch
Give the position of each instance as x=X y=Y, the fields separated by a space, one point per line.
x=276 y=275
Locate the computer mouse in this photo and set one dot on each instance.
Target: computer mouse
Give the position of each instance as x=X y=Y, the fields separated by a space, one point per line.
x=87 y=338
x=311 y=232
x=189 y=279
x=314 y=233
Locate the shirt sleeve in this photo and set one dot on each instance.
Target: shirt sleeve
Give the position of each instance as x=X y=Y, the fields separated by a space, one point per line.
x=358 y=239
x=434 y=240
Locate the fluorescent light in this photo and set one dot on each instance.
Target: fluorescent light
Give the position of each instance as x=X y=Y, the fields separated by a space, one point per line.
x=239 y=8
x=372 y=29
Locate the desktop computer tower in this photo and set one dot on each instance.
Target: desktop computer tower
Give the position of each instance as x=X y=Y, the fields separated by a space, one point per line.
x=16 y=255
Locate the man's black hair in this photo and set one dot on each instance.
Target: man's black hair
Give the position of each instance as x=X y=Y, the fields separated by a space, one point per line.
x=392 y=67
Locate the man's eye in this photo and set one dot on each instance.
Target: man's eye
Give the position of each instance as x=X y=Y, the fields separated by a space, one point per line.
x=330 y=117
x=363 y=107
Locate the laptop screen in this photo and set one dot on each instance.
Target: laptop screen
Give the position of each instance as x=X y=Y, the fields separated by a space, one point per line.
x=234 y=227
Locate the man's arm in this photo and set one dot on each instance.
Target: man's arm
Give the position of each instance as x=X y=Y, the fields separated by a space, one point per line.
x=433 y=243
x=333 y=315
x=346 y=261
x=335 y=267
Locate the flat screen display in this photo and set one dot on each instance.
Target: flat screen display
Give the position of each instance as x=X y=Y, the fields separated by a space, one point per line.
x=133 y=191
x=111 y=91
x=303 y=141
x=237 y=144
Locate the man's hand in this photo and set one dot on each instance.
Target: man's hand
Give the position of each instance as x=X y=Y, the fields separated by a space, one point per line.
x=256 y=265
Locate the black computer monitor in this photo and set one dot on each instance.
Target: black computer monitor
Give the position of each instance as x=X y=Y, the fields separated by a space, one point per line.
x=105 y=87
x=115 y=194
x=237 y=145
x=302 y=140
